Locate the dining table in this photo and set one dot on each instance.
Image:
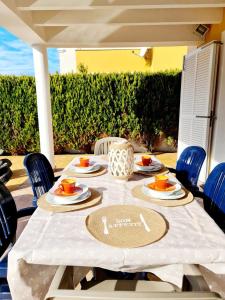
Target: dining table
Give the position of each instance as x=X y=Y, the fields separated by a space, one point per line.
x=52 y=239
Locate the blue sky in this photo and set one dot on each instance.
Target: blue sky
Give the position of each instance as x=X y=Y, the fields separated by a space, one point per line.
x=16 y=56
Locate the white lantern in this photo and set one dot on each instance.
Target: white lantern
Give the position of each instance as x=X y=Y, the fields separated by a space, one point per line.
x=121 y=160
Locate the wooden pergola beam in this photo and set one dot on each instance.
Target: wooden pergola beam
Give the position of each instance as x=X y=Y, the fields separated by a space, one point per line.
x=91 y=4
x=121 y=36
x=131 y=16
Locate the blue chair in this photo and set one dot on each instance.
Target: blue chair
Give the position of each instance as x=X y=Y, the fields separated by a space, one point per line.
x=189 y=166
x=213 y=195
x=8 y=225
x=40 y=173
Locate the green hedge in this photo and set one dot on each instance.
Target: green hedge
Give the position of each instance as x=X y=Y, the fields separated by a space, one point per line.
x=88 y=106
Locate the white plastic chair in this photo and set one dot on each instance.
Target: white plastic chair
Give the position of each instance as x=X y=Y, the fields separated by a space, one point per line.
x=122 y=290
x=102 y=145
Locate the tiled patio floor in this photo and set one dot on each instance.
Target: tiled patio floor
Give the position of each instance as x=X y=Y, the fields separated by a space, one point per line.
x=20 y=186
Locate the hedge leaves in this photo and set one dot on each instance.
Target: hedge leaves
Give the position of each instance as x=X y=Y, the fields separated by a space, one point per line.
x=88 y=106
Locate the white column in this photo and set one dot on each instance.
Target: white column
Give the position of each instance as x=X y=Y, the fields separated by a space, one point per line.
x=43 y=102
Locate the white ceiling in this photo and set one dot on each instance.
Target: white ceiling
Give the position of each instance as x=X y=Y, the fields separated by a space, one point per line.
x=109 y=23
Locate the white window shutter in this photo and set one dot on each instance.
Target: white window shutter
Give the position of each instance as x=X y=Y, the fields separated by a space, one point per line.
x=187 y=102
x=197 y=100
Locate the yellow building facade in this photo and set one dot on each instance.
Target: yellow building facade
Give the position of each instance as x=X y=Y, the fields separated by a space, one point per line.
x=131 y=60
x=215 y=31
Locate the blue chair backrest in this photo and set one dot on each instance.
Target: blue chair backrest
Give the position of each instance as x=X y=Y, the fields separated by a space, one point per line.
x=214 y=187
x=189 y=165
x=40 y=173
x=8 y=218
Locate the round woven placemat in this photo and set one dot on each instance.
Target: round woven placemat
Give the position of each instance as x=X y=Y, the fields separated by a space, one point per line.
x=138 y=193
x=163 y=171
x=125 y=226
x=101 y=171
x=93 y=200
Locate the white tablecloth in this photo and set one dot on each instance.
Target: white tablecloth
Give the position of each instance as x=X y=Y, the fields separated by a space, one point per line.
x=52 y=239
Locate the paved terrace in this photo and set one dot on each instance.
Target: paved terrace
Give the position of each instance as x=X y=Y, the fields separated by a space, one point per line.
x=20 y=187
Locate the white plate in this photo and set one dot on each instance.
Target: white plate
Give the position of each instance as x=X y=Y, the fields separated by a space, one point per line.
x=69 y=198
x=91 y=165
x=155 y=166
x=90 y=169
x=160 y=194
x=65 y=201
x=176 y=195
